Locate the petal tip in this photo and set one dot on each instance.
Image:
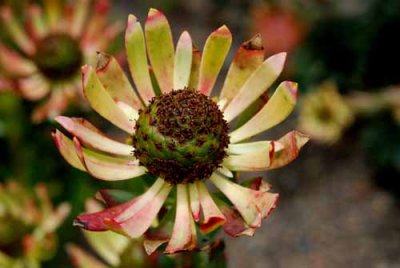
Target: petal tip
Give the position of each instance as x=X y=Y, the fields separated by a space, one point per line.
x=56 y=136
x=132 y=20
x=79 y=223
x=223 y=30
x=274 y=204
x=154 y=14
x=85 y=70
x=103 y=60
x=278 y=61
x=63 y=120
x=186 y=37
x=292 y=87
x=255 y=43
x=301 y=138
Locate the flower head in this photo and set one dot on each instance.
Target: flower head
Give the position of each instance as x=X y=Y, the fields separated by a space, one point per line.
x=50 y=50
x=325 y=114
x=27 y=224
x=180 y=136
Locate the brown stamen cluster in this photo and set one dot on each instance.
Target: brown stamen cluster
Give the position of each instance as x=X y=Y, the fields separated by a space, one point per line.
x=181 y=136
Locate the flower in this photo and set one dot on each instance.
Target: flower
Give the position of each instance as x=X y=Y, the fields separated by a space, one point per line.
x=325 y=114
x=27 y=225
x=179 y=135
x=50 y=50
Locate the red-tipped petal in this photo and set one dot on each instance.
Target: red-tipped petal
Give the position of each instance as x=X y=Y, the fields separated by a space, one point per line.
x=92 y=137
x=215 y=50
x=247 y=59
x=115 y=81
x=213 y=217
x=106 y=167
x=252 y=205
x=145 y=213
x=160 y=48
x=292 y=143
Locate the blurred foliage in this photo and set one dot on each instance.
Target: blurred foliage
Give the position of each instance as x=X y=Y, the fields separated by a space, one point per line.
x=354 y=49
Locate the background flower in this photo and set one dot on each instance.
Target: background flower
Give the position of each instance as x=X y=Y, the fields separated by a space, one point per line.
x=48 y=46
x=325 y=114
x=27 y=225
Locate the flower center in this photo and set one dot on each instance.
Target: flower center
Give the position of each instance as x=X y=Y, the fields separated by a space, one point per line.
x=181 y=136
x=58 y=56
x=324 y=114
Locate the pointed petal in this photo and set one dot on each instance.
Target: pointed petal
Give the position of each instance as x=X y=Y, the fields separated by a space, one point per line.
x=183 y=61
x=16 y=31
x=194 y=201
x=275 y=111
x=81 y=8
x=195 y=69
x=107 y=219
x=150 y=193
x=102 y=102
x=215 y=51
x=292 y=143
x=213 y=217
x=91 y=136
x=252 y=205
x=226 y=172
x=115 y=81
x=136 y=52
x=67 y=150
x=13 y=64
x=261 y=79
x=37 y=25
x=33 y=87
x=247 y=59
x=101 y=221
x=160 y=48
x=256 y=159
x=182 y=237
x=146 y=212
x=106 y=167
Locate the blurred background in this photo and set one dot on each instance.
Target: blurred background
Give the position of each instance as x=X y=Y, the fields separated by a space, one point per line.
x=339 y=200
